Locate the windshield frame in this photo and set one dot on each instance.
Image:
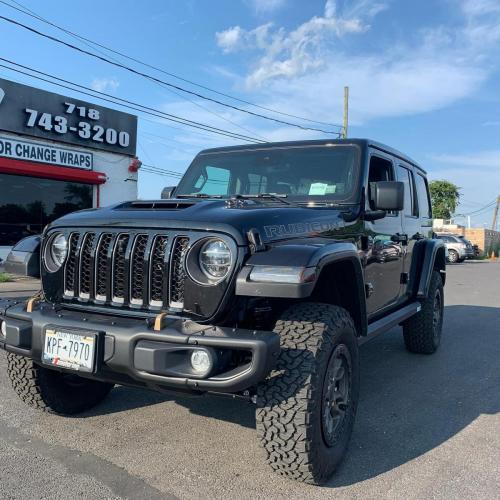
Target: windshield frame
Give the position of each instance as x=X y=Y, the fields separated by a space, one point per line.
x=350 y=198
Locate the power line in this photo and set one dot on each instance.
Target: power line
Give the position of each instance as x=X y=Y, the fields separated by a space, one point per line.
x=34 y=15
x=125 y=102
x=149 y=77
x=163 y=171
x=483 y=209
x=221 y=117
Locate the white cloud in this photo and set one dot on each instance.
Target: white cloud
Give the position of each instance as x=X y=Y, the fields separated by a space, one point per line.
x=290 y=53
x=303 y=70
x=488 y=159
x=266 y=6
x=105 y=84
x=231 y=39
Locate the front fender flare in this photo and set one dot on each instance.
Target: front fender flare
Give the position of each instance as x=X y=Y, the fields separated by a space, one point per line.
x=308 y=256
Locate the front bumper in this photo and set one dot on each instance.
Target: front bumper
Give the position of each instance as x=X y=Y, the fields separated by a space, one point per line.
x=131 y=352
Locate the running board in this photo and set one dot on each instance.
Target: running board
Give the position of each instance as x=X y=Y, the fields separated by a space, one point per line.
x=386 y=323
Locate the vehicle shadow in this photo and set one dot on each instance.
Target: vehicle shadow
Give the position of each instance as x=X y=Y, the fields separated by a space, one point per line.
x=409 y=404
x=124 y=398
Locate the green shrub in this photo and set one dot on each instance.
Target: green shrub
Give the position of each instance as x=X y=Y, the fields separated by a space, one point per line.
x=5 y=278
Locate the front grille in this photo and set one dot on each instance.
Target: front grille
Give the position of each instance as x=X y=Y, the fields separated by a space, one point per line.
x=139 y=270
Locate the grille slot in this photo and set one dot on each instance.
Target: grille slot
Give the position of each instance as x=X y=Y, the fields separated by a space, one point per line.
x=71 y=265
x=178 y=272
x=158 y=273
x=86 y=265
x=101 y=266
x=119 y=268
x=137 y=269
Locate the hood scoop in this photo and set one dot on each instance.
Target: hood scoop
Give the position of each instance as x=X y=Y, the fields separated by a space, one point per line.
x=155 y=205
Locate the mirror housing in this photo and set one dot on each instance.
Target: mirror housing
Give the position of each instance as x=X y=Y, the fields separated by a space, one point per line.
x=388 y=195
x=167 y=192
x=24 y=258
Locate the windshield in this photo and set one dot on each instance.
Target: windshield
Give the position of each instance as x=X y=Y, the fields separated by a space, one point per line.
x=300 y=173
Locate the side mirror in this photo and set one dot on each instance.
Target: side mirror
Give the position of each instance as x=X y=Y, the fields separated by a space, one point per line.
x=167 y=192
x=24 y=258
x=388 y=195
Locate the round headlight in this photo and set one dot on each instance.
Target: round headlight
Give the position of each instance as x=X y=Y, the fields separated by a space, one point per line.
x=215 y=259
x=57 y=252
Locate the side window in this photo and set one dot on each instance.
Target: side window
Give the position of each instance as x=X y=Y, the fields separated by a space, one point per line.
x=216 y=181
x=424 y=202
x=411 y=206
x=380 y=170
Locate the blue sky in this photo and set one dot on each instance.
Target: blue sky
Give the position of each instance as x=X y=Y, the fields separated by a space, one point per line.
x=424 y=76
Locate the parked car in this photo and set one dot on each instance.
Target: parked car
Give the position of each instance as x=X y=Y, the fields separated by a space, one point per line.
x=258 y=277
x=457 y=248
x=471 y=250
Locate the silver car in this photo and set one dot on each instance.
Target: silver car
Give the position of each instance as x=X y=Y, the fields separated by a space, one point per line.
x=457 y=247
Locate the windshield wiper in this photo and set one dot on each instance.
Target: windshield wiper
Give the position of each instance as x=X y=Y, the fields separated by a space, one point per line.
x=270 y=196
x=198 y=195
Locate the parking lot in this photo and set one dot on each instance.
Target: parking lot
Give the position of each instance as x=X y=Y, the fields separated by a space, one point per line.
x=427 y=427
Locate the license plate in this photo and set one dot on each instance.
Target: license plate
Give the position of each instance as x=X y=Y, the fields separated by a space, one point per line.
x=69 y=349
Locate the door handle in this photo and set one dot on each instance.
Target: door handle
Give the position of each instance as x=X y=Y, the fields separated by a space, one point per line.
x=400 y=238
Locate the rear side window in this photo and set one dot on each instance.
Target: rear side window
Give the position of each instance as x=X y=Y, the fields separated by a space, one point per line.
x=424 y=202
x=411 y=206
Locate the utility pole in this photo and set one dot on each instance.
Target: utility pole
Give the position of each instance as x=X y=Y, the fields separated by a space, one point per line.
x=346 y=112
x=495 y=215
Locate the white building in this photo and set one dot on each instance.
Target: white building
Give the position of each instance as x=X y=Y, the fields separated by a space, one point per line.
x=58 y=155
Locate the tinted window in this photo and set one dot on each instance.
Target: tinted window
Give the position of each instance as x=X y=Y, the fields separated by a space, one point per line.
x=299 y=172
x=424 y=202
x=213 y=180
x=380 y=170
x=28 y=204
x=406 y=176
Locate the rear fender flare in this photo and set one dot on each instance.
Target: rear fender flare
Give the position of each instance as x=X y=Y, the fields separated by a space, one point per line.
x=428 y=255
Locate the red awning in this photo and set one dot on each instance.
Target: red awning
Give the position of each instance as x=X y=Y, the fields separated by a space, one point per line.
x=47 y=171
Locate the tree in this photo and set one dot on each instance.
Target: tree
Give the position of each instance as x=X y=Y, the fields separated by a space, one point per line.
x=445 y=197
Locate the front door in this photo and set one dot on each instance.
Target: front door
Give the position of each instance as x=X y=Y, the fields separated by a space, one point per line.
x=385 y=246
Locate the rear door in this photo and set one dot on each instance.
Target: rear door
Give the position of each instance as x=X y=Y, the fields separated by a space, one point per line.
x=410 y=222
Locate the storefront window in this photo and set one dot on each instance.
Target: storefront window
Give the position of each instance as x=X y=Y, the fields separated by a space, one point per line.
x=28 y=204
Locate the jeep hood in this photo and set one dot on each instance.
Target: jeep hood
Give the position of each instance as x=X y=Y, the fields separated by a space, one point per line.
x=273 y=222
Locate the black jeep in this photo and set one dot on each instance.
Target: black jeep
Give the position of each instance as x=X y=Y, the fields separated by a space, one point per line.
x=257 y=276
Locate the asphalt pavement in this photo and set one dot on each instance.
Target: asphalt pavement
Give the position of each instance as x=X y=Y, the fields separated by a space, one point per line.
x=427 y=427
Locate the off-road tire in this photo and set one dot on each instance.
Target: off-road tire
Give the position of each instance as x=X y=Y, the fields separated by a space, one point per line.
x=291 y=402
x=453 y=256
x=51 y=390
x=422 y=332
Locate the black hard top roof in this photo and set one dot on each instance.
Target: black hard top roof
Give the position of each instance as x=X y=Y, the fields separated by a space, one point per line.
x=363 y=143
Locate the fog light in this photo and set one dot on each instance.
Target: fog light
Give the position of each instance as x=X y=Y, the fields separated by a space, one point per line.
x=3 y=328
x=201 y=361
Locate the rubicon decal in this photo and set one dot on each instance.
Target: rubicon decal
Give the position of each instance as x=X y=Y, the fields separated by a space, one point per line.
x=299 y=228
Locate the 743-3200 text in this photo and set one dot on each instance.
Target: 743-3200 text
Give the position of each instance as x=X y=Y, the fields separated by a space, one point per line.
x=84 y=129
